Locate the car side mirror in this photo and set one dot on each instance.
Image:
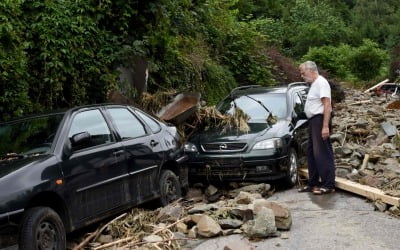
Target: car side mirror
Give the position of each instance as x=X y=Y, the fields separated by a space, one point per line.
x=76 y=142
x=80 y=139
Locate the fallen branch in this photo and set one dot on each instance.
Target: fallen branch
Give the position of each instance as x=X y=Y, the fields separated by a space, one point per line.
x=169 y=226
x=365 y=162
x=96 y=234
x=114 y=243
x=159 y=241
x=360 y=102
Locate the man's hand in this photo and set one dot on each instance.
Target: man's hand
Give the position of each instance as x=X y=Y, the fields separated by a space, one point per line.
x=325 y=133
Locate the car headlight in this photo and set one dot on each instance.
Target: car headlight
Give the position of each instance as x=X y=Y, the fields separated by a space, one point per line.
x=190 y=148
x=268 y=144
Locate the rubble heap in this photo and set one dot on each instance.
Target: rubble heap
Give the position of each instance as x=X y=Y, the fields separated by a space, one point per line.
x=366 y=140
x=244 y=210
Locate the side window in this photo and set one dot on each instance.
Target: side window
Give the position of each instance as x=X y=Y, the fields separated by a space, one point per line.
x=93 y=122
x=298 y=104
x=128 y=125
x=154 y=126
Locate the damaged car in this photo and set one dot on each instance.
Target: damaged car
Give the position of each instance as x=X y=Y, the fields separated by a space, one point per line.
x=268 y=150
x=64 y=170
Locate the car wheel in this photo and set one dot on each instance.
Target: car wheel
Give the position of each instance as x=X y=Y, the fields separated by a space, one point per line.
x=42 y=228
x=170 y=188
x=292 y=174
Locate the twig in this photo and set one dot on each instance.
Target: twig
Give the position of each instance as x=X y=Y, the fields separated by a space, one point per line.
x=169 y=226
x=345 y=134
x=106 y=225
x=114 y=243
x=86 y=240
x=365 y=162
x=360 y=102
x=157 y=241
x=96 y=234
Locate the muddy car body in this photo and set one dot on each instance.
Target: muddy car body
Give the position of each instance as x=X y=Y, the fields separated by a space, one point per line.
x=65 y=170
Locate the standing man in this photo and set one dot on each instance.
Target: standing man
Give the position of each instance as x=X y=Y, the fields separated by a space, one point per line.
x=318 y=109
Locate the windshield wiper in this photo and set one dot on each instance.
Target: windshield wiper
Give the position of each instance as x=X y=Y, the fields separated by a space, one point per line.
x=271 y=119
x=259 y=102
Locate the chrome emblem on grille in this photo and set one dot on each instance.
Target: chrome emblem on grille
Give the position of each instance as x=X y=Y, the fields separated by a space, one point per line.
x=223 y=146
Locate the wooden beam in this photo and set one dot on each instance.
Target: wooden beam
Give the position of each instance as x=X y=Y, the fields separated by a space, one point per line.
x=377 y=85
x=363 y=190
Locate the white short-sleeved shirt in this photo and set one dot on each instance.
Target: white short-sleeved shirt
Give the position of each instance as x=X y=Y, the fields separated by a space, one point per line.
x=319 y=88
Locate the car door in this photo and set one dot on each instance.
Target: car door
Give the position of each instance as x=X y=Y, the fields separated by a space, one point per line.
x=143 y=153
x=94 y=174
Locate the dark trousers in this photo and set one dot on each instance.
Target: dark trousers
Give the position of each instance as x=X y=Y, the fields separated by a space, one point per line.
x=321 y=163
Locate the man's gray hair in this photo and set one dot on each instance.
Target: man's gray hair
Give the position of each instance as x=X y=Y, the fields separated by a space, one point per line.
x=310 y=65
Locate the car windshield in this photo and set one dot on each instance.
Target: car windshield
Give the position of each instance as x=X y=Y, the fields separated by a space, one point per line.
x=30 y=136
x=274 y=102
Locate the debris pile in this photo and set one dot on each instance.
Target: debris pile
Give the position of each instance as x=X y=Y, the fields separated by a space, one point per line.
x=366 y=140
x=243 y=210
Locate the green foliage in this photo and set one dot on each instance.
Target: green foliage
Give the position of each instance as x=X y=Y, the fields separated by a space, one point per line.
x=330 y=58
x=56 y=54
x=377 y=21
x=313 y=25
x=261 y=8
x=14 y=89
x=218 y=82
x=366 y=61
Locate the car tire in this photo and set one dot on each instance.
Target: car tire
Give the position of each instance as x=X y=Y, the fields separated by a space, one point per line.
x=292 y=169
x=42 y=228
x=170 y=188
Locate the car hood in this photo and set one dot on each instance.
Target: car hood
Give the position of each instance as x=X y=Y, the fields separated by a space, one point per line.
x=260 y=129
x=9 y=166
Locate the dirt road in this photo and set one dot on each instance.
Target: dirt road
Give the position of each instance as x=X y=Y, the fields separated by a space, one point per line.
x=334 y=221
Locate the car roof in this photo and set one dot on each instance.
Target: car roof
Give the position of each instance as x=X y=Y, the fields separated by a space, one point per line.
x=62 y=111
x=257 y=89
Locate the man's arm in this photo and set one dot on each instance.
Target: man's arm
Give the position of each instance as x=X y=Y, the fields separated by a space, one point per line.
x=327 y=116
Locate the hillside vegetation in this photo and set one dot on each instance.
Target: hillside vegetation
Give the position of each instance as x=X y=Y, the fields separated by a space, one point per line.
x=61 y=53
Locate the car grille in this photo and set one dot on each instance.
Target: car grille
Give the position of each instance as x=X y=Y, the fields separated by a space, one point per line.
x=223 y=147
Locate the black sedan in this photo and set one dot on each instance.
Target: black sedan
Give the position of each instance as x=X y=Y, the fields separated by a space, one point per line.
x=65 y=170
x=269 y=150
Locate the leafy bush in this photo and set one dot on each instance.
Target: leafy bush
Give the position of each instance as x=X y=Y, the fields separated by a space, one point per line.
x=366 y=61
x=330 y=58
x=218 y=82
x=14 y=87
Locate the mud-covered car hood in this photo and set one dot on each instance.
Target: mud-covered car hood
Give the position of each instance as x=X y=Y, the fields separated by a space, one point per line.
x=257 y=129
x=12 y=165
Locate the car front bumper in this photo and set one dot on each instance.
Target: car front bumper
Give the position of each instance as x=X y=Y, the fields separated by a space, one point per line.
x=237 y=168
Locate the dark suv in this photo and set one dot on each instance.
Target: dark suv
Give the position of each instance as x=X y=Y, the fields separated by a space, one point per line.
x=269 y=151
x=65 y=170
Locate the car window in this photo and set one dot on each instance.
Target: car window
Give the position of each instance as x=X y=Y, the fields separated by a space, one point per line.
x=154 y=126
x=93 y=122
x=34 y=135
x=128 y=125
x=298 y=104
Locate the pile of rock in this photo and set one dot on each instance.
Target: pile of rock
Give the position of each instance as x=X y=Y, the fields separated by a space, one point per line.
x=244 y=210
x=366 y=140
x=246 y=213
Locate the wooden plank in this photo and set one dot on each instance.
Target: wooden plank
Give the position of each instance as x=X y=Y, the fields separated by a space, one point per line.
x=363 y=190
x=377 y=85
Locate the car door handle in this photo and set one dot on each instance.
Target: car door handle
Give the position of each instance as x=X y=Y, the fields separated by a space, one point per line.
x=119 y=152
x=153 y=143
